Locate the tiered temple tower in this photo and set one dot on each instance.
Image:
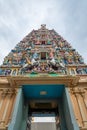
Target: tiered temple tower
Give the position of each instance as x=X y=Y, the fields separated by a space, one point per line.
x=43 y=71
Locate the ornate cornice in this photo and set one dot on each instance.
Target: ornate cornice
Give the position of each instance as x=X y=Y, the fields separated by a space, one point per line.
x=8 y=91
x=17 y=81
x=77 y=90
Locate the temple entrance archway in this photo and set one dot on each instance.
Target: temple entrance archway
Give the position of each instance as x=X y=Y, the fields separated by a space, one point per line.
x=46 y=106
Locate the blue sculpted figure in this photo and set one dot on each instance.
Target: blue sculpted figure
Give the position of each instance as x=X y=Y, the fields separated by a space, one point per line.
x=0 y=71
x=85 y=69
x=81 y=60
x=35 y=55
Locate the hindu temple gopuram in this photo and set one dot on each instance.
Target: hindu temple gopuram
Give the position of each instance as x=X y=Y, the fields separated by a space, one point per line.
x=43 y=85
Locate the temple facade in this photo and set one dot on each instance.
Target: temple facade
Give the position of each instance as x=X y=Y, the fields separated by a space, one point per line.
x=43 y=85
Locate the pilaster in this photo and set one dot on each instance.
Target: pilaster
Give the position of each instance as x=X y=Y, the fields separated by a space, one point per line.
x=79 y=101
x=7 y=98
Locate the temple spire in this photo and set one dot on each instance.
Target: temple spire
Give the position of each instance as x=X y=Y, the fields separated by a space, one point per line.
x=43 y=51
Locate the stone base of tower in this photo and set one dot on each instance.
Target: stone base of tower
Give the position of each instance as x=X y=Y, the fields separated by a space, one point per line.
x=72 y=106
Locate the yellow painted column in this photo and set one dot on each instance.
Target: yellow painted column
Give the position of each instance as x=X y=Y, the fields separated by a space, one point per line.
x=10 y=108
x=2 y=123
x=82 y=110
x=76 y=109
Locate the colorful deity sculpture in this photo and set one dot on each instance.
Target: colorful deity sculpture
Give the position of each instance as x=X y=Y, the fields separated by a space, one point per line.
x=52 y=61
x=51 y=54
x=35 y=55
x=76 y=57
x=49 y=42
x=81 y=60
x=43 y=46
x=38 y=43
x=70 y=59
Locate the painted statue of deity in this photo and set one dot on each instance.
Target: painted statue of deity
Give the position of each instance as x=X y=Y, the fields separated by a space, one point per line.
x=38 y=42
x=52 y=61
x=35 y=55
x=81 y=60
x=76 y=58
x=70 y=59
x=51 y=54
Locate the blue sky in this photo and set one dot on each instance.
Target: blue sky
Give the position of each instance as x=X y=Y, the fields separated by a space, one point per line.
x=19 y=17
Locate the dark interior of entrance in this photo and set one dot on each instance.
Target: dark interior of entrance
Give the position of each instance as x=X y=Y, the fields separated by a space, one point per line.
x=43 y=115
x=43 y=55
x=47 y=107
x=43 y=42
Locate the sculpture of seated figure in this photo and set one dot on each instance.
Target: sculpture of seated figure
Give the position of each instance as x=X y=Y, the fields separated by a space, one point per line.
x=7 y=72
x=14 y=72
x=53 y=44
x=43 y=67
x=32 y=45
x=51 y=54
x=39 y=68
x=51 y=69
x=85 y=70
x=76 y=59
x=79 y=70
x=65 y=60
x=1 y=72
x=35 y=55
x=52 y=61
x=47 y=68
x=81 y=60
x=56 y=47
x=49 y=42
x=62 y=64
x=61 y=44
x=26 y=62
x=6 y=61
x=59 y=58
x=70 y=60
x=35 y=69
x=34 y=62
x=28 y=48
x=38 y=42
x=30 y=62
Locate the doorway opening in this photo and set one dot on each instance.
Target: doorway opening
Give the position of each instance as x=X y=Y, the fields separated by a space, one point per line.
x=43 y=55
x=43 y=42
x=43 y=115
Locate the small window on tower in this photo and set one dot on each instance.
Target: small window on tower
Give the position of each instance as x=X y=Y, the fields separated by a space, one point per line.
x=43 y=55
x=43 y=42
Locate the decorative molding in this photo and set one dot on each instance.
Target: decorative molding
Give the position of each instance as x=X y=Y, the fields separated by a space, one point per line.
x=17 y=81
x=77 y=90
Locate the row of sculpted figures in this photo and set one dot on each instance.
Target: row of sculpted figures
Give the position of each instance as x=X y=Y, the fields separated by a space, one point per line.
x=31 y=63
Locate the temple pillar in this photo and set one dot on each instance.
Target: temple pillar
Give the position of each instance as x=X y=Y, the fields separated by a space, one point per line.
x=7 y=97
x=76 y=109
x=17 y=113
x=78 y=98
x=68 y=111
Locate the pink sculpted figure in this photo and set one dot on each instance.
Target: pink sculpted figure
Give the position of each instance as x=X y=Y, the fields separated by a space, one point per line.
x=51 y=54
